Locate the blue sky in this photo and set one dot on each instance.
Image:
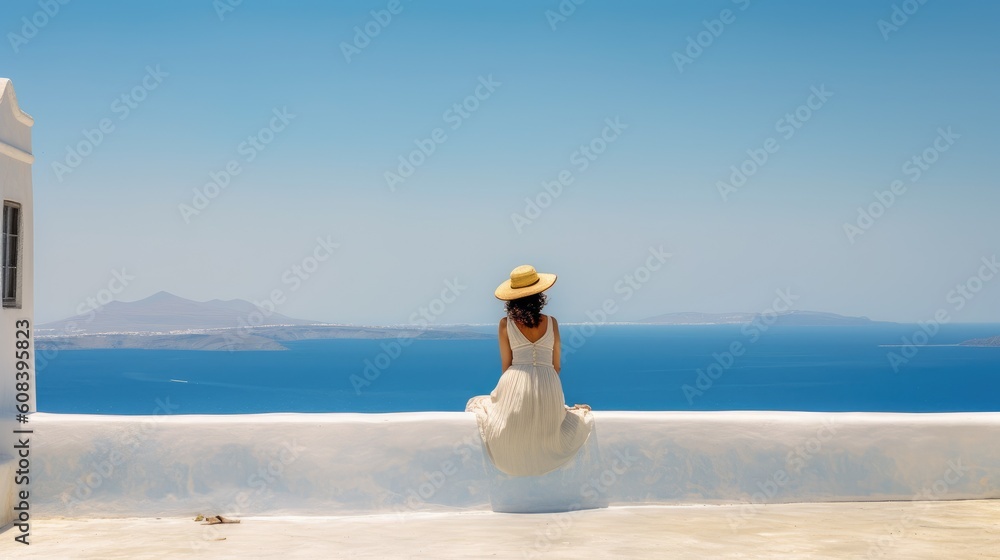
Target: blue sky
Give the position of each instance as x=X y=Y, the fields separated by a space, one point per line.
x=211 y=82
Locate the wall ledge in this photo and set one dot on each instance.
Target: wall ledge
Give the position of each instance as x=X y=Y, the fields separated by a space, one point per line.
x=16 y=153
x=341 y=463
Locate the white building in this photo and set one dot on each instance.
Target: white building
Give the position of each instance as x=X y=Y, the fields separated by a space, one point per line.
x=17 y=352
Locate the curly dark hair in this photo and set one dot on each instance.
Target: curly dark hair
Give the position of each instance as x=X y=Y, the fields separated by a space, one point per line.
x=527 y=310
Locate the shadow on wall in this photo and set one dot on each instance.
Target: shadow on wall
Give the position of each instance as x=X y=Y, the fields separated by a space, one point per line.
x=583 y=483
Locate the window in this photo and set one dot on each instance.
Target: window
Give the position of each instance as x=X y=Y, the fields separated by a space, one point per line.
x=11 y=253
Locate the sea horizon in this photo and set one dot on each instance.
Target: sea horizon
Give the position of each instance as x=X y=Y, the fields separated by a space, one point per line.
x=867 y=368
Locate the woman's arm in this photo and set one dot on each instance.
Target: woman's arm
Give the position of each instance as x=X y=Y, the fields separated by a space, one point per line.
x=556 y=354
x=506 y=354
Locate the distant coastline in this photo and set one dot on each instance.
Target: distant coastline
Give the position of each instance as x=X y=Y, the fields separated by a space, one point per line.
x=164 y=321
x=268 y=337
x=798 y=318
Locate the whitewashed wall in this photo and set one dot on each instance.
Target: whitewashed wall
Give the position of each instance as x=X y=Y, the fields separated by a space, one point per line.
x=15 y=184
x=108 y=466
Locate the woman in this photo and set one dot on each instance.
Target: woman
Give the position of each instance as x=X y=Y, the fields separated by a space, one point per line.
x=527 y=428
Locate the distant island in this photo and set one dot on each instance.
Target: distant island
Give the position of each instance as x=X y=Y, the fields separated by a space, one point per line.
x=793 y=318
x=992 y=341
x=164 y=312
x=165 y=321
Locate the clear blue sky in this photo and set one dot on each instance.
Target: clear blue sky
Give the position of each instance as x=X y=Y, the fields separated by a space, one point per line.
x=656 y=184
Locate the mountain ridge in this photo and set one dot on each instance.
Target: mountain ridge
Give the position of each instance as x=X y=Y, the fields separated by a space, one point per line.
x=164 y=312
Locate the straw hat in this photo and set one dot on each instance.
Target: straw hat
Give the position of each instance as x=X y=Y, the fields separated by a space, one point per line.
x=524 y=281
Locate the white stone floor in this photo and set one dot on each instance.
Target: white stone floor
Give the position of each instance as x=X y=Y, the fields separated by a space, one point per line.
x=953 y=530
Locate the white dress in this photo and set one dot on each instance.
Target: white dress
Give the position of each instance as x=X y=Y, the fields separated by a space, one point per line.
x=526 y=427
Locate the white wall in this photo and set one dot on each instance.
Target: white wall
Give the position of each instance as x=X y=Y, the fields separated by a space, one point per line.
x=109 y=466
x=15 y=184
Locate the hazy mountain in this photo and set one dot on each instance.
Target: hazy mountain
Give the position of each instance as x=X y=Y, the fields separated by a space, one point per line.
x=795 y=318
x=164 y=312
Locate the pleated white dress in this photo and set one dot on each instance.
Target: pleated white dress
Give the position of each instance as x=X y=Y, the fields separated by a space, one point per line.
x=526 y=427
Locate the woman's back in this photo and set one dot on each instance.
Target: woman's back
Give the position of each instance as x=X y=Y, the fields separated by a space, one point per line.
x=536 y=350
x=532 y=334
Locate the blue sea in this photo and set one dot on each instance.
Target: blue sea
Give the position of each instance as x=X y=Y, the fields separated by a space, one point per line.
x=617 y=367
